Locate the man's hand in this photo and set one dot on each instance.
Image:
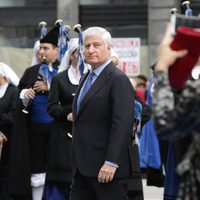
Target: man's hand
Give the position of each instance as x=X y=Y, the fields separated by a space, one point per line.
x=106 y=173
x=3 y=138
x=30 y=93
x=167 y=56
x=40 y=86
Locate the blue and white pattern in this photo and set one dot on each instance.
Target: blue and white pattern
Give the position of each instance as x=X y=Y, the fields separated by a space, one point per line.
x=81 y=63
x=47 y=71
x=63 y=38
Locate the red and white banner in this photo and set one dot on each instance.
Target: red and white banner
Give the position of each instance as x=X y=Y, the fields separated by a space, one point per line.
x=128 y=50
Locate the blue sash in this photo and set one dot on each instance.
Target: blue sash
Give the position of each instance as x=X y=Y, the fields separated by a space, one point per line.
x=39 y=112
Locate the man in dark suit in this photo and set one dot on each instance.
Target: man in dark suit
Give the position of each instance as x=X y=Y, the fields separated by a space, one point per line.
x=103 y=122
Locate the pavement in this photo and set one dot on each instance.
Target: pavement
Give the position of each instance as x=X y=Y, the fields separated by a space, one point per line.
x=151 y=192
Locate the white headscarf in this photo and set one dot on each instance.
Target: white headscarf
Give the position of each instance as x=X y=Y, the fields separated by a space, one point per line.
x=73 y=45
x=9 y=74
x=35 y=53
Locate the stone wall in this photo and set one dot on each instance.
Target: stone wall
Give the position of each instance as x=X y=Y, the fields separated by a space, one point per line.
x=68 y=10
x=17 y=58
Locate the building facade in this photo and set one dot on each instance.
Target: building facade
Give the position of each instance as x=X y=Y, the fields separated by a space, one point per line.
x=123 y=18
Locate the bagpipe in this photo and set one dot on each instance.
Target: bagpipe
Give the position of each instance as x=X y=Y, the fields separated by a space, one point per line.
x=43 y=29
x=186 y=35
x=81 y=62
x=63 y=37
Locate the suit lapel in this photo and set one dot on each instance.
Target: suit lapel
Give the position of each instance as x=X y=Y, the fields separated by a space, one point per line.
x=97 y=85
x=78 y=91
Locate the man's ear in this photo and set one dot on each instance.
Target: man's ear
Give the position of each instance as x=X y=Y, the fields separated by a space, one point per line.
x=57 y=50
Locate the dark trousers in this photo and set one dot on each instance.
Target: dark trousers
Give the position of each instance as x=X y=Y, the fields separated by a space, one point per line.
x=87 y=188
x=39 y=144
x=21 y=198
x=3 y=191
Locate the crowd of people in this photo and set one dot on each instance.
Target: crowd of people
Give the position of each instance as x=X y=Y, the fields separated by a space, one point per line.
x=64 y=135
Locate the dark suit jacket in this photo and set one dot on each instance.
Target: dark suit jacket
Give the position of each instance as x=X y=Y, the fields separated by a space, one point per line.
x=103 y=126
x=59 y=105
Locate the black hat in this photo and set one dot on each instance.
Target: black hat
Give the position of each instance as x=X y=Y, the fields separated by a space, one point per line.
x=52 y=36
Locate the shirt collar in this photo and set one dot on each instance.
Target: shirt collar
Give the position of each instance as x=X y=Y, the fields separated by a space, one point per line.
x=99 y=69
x=74 y=75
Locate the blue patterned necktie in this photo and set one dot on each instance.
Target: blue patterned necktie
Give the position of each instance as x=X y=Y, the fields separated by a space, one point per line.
x=85 y=89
